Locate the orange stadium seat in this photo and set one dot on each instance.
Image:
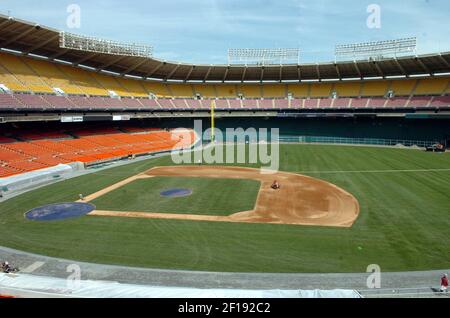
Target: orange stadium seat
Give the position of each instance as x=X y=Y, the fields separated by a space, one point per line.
x=92 y=145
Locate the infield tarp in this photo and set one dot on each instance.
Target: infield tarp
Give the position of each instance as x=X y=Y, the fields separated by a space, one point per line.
x=33 y=178
x=24 y=285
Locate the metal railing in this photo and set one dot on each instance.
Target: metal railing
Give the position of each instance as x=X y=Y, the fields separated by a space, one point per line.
x=358 y=141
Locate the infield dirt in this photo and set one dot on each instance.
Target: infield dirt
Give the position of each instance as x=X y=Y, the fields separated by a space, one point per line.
x=301 y=200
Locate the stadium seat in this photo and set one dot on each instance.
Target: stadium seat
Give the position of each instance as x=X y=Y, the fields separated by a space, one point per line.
x=433 y=86
x=224 y=104
x=110 y=83
x=235 y=104
x=226 y=91
x=181 y=90
x=83 y=79
x=416 y=102
x=397 y=102
x=311 y=103
x=250 y=104
x=320 y=90
x=266 y=104
x=374 y=88
x=274 y=91
x=32 y=101
x=298 y=90
x=8 y=101
x=281 y=103
x=23 y=73
x=166 y=104
x=10 y=81
x=341 y=103
x=52 y=76
x=326 y=103
x=359 y=102
x=250 y=90
x=441 y=101
x=134 y=87
x=206 y=91
x=403 y=87
x=158 y=89
x=348 y=89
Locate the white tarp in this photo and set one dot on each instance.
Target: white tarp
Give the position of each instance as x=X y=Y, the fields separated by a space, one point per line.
x=38 y=286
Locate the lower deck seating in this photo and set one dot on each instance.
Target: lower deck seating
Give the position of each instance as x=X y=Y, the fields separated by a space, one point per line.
x=91 y=145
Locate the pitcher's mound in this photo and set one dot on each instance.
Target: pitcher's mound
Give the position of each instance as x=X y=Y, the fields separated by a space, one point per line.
x=176 y=193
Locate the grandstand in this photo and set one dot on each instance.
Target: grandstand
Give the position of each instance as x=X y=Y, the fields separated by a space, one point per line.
x=27 y=75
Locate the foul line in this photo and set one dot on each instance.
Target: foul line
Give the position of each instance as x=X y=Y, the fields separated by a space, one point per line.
x=376 y=171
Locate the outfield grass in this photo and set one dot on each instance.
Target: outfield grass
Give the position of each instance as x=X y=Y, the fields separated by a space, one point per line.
x=403 y=224
x=210 y=196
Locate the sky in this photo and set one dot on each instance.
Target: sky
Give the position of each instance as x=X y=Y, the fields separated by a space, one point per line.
x=202 y=31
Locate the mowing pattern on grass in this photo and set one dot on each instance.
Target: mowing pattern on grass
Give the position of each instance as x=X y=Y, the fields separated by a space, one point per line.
x=210 y=196
x=402 y=226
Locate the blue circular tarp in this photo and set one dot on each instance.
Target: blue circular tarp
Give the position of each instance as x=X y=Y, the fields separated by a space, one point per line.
x=59 y=211
x=176 y=193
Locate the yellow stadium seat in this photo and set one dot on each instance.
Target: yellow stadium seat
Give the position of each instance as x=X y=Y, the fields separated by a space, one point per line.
x=24 y=74
x=133 y=86
x=350 y=89
x=181 y=90
x=10 y=81
x=274 y=91
x=250 y=90
x=52 y=76
x=158 y=89
x=299 y=90
x=83 y=79
x=403 y=87
x=320 y=90
x=375 y=88
x=207 y=91
x=433 y=86
x=226 y=91
x=109 y=83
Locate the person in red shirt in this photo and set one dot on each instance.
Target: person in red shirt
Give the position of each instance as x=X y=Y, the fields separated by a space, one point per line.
x=444 y=283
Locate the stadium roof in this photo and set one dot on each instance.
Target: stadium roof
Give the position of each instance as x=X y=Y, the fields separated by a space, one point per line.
x=34 y=39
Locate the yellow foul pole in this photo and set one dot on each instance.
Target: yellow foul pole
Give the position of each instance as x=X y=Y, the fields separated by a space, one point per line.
x=213 y=120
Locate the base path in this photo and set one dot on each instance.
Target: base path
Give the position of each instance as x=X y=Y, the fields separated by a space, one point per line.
x=300 y=201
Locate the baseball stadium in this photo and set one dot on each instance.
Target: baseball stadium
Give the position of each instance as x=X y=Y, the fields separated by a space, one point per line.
x=260 y=176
